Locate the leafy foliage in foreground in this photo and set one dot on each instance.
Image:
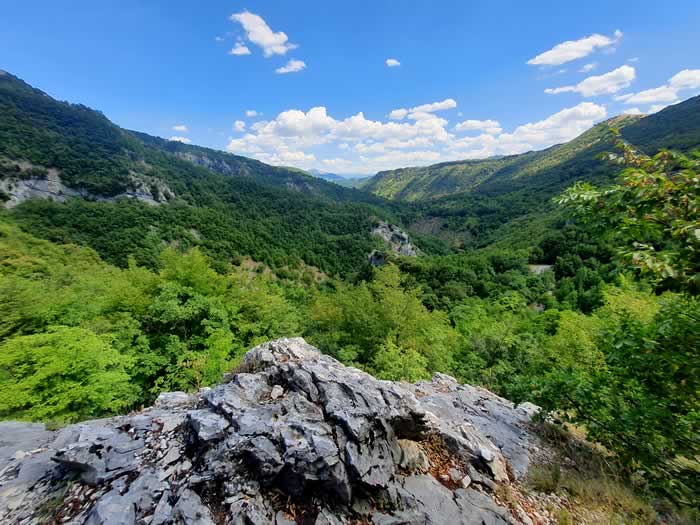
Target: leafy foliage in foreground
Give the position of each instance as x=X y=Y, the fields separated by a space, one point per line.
x=654 y=212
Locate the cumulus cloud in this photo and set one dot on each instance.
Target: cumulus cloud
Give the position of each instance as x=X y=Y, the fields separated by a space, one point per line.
x=357 y=144
x=575 y=49
x=555 y=129
x=293 y=66
x=491 y=127
x=182 y=128
x=337 y=163
x=392 y=62
x=633 y=111
x=424 y=111
x=259 y=33
x=184 y=140
x=448 y=103
x=239 y=126
x=606 y=84
x=240 y=49
x=688 y=79
x=650 y=96
x=251 y=113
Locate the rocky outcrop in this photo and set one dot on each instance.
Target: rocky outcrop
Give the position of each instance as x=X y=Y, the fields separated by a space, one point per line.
x=19 y=190
x=214 y=164
x=396 y=240
x=145 y=189
x=293 y=437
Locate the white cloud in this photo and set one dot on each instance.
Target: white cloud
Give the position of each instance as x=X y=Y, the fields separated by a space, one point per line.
x=240 y=50
x=239 y=126
x=182 y=128
x=184 y=140
x=251 y=113
x=448 y=103
x=587 y=68
x=555 y=129
x=219 y=38
x=491 y=127
x=337 y=162
x=392 y=62
x=605 y=84
x=424 y=111
x=574 y=49
x=398 y=114
x=356 y=144
x=260 y=34
x=633 y=111
x=650 y=96
x=686 y=79
x=666 y=94
x=292 y=66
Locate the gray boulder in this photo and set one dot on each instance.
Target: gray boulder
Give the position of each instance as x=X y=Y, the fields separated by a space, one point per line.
x=295 y=436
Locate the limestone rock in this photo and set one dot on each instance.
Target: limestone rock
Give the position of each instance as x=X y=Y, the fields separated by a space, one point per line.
x=295 y=433
x=396 y=240
x=207 y=424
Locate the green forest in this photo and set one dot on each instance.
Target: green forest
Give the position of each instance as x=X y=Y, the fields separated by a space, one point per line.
x=105 y=304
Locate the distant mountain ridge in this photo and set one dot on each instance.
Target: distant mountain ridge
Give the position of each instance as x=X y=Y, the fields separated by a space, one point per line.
x=349 y=181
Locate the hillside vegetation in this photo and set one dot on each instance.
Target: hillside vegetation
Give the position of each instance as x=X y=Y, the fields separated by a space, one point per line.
x=227 y=205
x=106 y=303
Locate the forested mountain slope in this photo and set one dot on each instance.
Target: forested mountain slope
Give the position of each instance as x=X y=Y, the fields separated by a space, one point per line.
x=677 y=128
x=228 y=205
x=547 y=171
x=96 y=155
x=507 y=200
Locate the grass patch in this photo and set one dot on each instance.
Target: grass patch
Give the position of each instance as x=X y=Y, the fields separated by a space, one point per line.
x=590 y=479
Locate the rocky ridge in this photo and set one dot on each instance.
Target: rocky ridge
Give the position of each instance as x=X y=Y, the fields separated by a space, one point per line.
x=293 y=437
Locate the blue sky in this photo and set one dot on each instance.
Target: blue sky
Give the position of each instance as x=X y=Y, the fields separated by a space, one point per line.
x=472 y=79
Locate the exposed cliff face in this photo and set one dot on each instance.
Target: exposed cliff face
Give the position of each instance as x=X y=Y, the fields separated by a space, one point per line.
x=20 y=189
x=294 y=437
x=292 y=181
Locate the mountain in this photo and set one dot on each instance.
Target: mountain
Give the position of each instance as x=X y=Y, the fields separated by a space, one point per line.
x=557 y=164
x=476 y=203
x=351 y=181
x=676 y=127
x=331 y=177
x=146 y=191
x=97 y=156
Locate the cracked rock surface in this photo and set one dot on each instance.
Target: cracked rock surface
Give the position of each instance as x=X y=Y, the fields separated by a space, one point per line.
x=295 y=437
